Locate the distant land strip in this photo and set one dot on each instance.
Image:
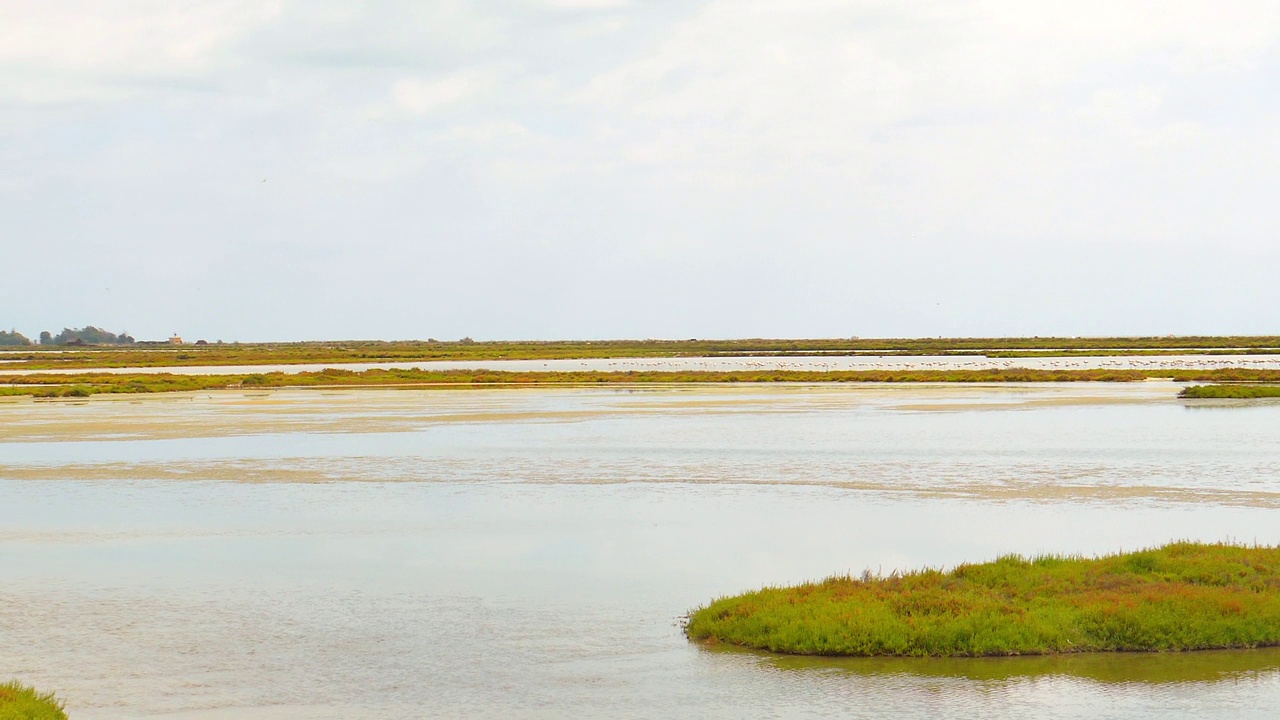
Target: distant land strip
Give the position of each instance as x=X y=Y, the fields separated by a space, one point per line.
x=218 y=353
x=89 y=383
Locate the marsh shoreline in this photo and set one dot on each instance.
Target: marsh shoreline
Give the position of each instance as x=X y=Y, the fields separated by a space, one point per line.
x=1178 y=597
x=90 y=383
x=328 y=352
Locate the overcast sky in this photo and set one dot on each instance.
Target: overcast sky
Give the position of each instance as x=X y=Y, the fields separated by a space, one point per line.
x=613 y=169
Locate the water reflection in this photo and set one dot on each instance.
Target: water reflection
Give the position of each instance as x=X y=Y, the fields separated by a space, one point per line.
x=1230 y=403
x=1210 y=666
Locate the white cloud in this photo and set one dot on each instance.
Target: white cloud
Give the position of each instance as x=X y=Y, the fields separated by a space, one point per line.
x=68 y=51
x=680 y=146
x=998 y=121
x=585 y=4
x=817 y=77
x=418 y=96
x=1125 y=108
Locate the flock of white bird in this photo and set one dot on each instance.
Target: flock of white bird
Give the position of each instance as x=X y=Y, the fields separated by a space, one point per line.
x=1178 y=362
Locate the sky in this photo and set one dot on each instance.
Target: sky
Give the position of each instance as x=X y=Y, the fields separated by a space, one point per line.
x=566 y=169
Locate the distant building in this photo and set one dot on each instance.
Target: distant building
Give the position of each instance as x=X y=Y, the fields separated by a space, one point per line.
x=175 y=340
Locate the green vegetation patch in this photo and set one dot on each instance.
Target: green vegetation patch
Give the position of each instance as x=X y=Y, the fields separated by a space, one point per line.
x=91 y=383
x=20 y=702
x=92 y=347
x=13 y=338
x=1245 y=392
x=1183 y=596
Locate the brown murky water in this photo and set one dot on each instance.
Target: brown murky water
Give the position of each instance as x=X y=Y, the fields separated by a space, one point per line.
x=528 y=552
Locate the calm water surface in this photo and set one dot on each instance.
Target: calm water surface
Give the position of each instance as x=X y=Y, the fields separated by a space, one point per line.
x=797 y=362
x=528 y=553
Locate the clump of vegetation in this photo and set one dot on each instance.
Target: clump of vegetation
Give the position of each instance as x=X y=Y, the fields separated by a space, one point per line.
x=87 y=335
x=1183 y=596
x=67 y=391
x=20 y=702
x=1230 y=391
x=13 y=338
x=90 y=383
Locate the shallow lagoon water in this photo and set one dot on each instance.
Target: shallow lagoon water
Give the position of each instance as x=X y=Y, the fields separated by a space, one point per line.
x=528 y=553
x=812 y=363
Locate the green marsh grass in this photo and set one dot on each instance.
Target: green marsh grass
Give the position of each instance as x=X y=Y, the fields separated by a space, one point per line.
x=36 y=357
x=1240 y=392
x=91 y=383
x=21 y=702
x=1183 y=596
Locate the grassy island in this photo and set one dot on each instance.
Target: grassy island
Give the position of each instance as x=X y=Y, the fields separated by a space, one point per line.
x=1230 y=392
x=1183 y=596
x=20 y=702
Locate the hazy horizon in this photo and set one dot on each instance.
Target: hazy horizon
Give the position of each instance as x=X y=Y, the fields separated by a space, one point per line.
x=189 y=340
x=615 y=169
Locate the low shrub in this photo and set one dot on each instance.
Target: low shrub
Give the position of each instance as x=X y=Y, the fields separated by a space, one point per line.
x=1184 y=596
x=22 y=702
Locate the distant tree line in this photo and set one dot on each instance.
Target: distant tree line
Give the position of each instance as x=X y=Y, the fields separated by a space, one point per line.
x=13 y=337
x=87 y=335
